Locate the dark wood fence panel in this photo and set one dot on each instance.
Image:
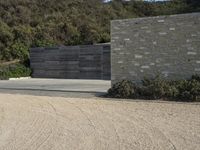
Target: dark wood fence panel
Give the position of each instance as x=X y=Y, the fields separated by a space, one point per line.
x=72 y=62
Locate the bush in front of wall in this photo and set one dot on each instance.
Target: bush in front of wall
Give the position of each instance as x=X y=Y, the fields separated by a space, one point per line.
x=123 y=89
x=196 y=77
x=158 y=88
x=188 y=90
x=154 y=88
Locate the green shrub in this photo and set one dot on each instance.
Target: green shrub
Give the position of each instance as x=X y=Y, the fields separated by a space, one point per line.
x=196 y=77
x=123 y=89
x=171 y=91
x=14 y=71
x=195 y=90
x=19 y=51
x=157 y=88
x=154 y=88
x=188 y=90
x=42 y=43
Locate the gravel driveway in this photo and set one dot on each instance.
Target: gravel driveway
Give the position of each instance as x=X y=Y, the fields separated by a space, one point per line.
x=44 y=123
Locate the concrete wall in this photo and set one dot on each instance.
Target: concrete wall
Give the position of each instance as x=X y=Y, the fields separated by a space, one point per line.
x=71 y=62
x=145 y=47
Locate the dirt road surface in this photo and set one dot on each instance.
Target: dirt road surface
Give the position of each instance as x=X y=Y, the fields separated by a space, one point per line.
x=52 y=123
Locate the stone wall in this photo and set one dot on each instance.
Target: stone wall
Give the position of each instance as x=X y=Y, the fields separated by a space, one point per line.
x=72 y=62
x=146 y=47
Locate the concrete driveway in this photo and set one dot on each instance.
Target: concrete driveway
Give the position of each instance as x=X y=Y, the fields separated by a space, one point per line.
x=54 y=123
x=57 y=86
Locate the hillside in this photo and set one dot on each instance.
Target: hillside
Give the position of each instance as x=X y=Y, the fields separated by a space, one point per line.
x=31 y=23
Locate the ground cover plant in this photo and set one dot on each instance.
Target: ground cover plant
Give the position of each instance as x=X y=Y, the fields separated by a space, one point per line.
x=158 y=88
x=14 y=71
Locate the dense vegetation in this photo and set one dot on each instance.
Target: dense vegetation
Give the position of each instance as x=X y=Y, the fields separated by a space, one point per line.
x=158 y=88
x=31 y=23
x=15 y=70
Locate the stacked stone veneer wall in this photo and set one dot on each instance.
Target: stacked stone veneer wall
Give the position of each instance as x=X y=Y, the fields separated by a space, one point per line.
x=72 y=62
x=146 y=47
